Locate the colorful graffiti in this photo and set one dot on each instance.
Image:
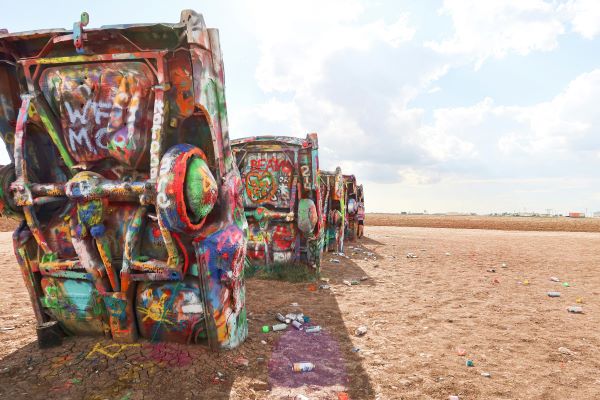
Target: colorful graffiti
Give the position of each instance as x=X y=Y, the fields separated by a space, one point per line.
x=281 y=199
x=124 y=179
x=334 y=209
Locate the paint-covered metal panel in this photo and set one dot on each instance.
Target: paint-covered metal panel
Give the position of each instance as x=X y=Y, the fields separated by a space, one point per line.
x=334 y=220
x=131 y=205
x=281 y=199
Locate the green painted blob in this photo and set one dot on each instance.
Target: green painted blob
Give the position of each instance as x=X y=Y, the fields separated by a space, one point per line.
x=200 y=190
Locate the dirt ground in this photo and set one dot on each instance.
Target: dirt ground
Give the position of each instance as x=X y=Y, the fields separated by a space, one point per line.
x=557 y=224
x=420 y=313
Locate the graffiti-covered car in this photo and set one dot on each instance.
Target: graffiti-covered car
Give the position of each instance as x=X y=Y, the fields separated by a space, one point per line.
x=123 y=176
x=333 y=191
x=351 y=207
x=281 y=199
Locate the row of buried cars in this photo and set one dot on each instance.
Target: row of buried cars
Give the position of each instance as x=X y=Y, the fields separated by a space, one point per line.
x=137 y=215
x=295 y=211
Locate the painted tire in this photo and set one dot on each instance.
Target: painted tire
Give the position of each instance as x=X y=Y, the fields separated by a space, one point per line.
x=307 y=215
x=186 y=190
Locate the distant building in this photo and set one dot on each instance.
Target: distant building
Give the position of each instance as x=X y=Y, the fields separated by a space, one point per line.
x=596 y=214
x=574 y=214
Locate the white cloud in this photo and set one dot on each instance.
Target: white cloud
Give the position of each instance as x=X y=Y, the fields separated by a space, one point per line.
x=584 y=16
x=495 y=28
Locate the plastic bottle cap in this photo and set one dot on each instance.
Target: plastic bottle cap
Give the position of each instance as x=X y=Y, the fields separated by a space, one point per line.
x=265 y=329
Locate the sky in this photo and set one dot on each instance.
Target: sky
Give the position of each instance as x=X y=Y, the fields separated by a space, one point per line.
x=443 y=106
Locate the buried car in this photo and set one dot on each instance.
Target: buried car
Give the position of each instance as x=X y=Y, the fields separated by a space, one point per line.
x=351 y=207
x=333 y=190
x=123 y=177
x=282 y=200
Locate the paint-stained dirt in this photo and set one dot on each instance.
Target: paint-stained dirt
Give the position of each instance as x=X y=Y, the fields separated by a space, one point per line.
x=418 y=312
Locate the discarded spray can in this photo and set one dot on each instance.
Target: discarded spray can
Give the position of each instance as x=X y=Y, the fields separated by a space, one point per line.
x=364 y=278
x=566 y=284
x=283 y=319
x=300 y=318
x=305 y=319
x=554 y=279
x=354 y=282
x=575 y=310
x=280 y=327
x=313 y=329
x=290 y=316
x=554 y=294
x=303 y=367
x=347 y=283
x=297 y=325
x=324 y=287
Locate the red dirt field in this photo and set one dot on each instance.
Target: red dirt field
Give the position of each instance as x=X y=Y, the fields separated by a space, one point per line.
x=555 y=224
x=418 y=312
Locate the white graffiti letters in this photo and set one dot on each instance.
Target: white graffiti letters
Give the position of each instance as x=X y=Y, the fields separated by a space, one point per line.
x=79 y=129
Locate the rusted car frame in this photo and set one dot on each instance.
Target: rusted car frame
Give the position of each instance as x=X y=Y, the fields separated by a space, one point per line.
x=333 y=191
x=123 y=176
x=282 y=200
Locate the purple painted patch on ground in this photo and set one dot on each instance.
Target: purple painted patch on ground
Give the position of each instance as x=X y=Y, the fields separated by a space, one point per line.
x=298 y=346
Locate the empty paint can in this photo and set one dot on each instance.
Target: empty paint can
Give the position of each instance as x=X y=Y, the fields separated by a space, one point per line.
x=575 y=310
x=300 y=318
x=297 y=325
x=280 y=327
x=303 y=367
x=281 y=318
x=313 y=329
x=554 y=294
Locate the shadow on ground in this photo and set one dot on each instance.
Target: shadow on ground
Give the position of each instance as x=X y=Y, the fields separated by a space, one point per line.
x=96 y=368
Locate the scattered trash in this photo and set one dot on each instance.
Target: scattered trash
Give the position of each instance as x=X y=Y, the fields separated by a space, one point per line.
x=364 y=278
x=491 y=270
x=260 y=359
x=313 y=329
x=496 y=280
x=265 y=329
x=312 y=287
x=354 y=282
x=470 y=363
x=242 y=362
x=355 y=349
x=566 y=284
x=297 y=325
x=263 y=342
x=361 y=330
x=343 y=396
x=334 y=260
x=486 y=374
x=291 y=316
x=7 y=328
x=301 y=397
x=553 y=294
x=575 y=310
x=565 y=351
x=504 y=265
x=303 y=367
x=324 y=287
x=526 y=282
x=279 y=327
x=300 y=318
x=554 y=279
x=411 y=255
x=452 y=397
x=326 y=280
x=283 y=319
x=347 y=283
x=579 y=300
x=461 y=352
x=294 y=304
x=306 y=319
x=447 y=253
